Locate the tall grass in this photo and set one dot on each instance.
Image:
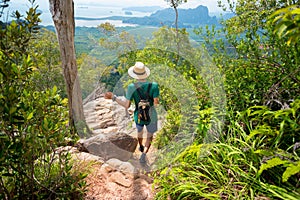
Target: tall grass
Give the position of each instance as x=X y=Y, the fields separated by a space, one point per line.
x=251 y=160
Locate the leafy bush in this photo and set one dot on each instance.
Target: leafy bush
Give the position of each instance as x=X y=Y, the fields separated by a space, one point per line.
x=33 y=124
x=44 y=51
x=275 y=136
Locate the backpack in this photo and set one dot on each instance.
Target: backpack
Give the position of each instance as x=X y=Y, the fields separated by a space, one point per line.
x=143 y=106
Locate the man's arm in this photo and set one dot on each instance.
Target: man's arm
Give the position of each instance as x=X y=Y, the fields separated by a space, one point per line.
x=125 y=103
x=156 y=101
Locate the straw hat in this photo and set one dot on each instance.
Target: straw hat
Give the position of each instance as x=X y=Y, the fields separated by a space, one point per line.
x=139 y=71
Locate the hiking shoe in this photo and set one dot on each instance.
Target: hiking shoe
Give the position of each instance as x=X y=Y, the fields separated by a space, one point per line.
x=143 y=158
x=141 y=148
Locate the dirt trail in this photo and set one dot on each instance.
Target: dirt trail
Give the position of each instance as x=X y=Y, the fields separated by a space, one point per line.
x=105 y=182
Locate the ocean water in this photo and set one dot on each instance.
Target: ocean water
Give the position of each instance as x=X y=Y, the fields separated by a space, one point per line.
x=100 y=12
x=87 y=11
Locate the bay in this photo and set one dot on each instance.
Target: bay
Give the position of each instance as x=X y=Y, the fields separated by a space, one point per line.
x=92 y=15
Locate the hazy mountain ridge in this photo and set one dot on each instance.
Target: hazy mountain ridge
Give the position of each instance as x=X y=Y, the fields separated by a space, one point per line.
x=187 y=17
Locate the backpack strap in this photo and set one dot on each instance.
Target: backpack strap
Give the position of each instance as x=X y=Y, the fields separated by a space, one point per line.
x=138 y=89
x=148 y=91
x=140 y=92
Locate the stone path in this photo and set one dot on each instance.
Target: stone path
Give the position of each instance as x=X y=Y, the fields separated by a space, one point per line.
x=114 y=179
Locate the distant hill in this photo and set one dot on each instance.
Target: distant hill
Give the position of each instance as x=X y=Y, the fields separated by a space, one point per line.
x=187 y=18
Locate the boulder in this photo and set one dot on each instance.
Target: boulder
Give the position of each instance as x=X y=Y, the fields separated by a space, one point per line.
x=114 y=145
x=124 y=167
x=120 y=179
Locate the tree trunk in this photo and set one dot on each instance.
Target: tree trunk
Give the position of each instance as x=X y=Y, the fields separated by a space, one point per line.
x=63 y=16
x=174 y=5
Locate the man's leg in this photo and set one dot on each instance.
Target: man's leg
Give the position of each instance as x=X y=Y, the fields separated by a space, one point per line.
x=151 y=129
x=140 y=139
x=148 y=141
x=140 y=136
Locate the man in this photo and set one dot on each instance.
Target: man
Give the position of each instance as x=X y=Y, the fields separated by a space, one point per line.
x=140 y=72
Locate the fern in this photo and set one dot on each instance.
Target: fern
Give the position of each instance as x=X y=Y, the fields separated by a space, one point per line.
x=270 y=164
x=262 y=130
x=291 y=170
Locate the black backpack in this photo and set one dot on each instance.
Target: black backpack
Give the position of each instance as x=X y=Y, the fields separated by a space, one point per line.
x=143 y=106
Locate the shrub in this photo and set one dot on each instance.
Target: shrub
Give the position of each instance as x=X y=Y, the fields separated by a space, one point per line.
x=33 y=124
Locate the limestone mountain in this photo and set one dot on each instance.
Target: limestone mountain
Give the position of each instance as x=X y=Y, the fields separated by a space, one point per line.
x=187 y=17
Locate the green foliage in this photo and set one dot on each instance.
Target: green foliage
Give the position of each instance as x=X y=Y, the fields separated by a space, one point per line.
x=33 y=125
x=18 y=34
x=91 y=71
x=260 y=68
x=287 y=23
x=234 y=167
x=270 y=164
x=85 y=41
x=182 y=101
x=257 y=154
x=275 y=136
x=45 y=54
x=209 y=171
x=169 y=130
x=276 y=129
x=291 y=170
x=107 y=28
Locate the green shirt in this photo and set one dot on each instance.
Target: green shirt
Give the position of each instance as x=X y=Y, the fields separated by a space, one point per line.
x=132 y=94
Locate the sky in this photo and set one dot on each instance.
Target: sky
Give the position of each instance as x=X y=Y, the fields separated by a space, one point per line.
x=44 y=4
x=102 y=8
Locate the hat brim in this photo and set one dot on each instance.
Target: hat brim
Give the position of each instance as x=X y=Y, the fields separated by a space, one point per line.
x=136 y=76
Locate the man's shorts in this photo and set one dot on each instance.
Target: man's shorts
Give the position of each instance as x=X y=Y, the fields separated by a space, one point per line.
x=151 y=128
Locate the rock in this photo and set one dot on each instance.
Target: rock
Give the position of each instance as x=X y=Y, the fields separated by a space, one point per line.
x=87 y=157
x=141 y=190
x=117 y=173
x=100 y=125
x=98 y=92
x=108 y=130
x=125 y=167
x=120 y=179
x=114 y=145
x=108 y=115
x=114 y=163
x=102 y=110
x=145 y=177
x=80 y=147
x=107 y=168
x=69 y=149
x=128 y=168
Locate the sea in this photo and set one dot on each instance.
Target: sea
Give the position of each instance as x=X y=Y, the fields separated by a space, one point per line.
x=91 y=13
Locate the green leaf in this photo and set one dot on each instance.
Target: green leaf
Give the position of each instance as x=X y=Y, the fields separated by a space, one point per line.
x=291 y=170
x=261 y=130
x=54 y=90
x=281 y=29
x=263 y=152
x=270 y=164
x=12 y=110
x=30 y=116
